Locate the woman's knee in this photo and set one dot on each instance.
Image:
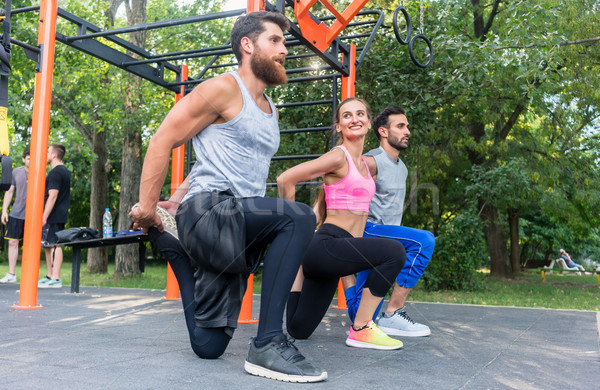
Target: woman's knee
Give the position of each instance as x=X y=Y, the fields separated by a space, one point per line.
x=299 y=332
x=396 y=255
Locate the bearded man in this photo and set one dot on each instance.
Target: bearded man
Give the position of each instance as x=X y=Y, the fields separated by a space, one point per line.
x=224 y=221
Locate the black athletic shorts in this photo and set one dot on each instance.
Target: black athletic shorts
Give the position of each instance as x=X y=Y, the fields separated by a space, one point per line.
x=49 y=233
x=15 y=229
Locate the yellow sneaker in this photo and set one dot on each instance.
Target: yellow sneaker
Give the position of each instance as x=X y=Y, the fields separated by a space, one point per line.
x=370 y=336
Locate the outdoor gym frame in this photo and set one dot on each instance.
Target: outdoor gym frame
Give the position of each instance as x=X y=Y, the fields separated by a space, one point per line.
x=308 y=31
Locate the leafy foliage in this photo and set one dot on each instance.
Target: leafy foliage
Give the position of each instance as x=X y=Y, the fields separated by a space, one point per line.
x=459 y=253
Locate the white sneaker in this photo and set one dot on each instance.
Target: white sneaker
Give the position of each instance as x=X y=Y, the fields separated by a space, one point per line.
x=168 y=221
x=400 y=324
x=9 y=278
x=44 y=281
x=52 y=283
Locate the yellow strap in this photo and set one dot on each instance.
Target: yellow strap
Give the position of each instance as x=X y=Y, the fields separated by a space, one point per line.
x=4 y=144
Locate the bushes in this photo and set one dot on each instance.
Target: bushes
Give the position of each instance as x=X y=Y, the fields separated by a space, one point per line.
x=458 y=254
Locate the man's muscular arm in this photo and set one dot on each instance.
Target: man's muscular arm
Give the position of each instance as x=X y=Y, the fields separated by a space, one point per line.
x=209 y=102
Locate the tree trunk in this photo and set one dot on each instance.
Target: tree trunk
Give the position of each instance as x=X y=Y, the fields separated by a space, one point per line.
x=548 y=253
x=496 y=240
x=524 y=257
x=126 y=257
x=513 y=224
x=97 y=258
x=534 y=250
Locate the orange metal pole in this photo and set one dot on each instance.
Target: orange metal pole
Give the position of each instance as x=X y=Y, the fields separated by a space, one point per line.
x=348 y=91
x=39 y=149
x=177 y=175
x=256 y=5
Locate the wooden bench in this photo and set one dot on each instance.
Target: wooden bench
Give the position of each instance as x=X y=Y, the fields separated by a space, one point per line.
x=100 y=242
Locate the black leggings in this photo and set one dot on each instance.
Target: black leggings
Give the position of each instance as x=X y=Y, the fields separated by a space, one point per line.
x=207 y=343
x=288 y=228
x=333 y=253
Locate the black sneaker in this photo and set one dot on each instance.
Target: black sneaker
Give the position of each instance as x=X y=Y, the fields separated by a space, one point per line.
x=281 y=360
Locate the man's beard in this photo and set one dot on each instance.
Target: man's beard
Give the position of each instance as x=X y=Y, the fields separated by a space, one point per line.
x=396 y=143
x=267 y=69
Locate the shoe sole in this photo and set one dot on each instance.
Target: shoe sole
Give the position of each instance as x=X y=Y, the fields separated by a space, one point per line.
x=280 y=376
x=165 y=216
x=362 y=344
x=49 y=286
x=396 y=332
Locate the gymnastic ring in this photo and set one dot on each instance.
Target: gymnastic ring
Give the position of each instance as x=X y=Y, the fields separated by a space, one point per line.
x=412 y=55
x=408 y=26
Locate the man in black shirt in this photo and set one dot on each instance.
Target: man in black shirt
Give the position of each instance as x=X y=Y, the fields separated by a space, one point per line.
x=56 y=212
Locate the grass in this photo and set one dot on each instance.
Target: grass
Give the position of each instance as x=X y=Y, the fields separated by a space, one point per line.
x=527 y=290
x=154 y=276
x=559 y=291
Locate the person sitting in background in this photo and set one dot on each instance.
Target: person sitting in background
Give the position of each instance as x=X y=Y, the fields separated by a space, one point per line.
x=570 y=263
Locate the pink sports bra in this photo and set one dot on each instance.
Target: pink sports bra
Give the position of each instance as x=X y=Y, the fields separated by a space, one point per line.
x=354 y=192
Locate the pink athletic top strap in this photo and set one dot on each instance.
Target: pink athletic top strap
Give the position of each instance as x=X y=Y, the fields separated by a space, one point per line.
x=354 y=192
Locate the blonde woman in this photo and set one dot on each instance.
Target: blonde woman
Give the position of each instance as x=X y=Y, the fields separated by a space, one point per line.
x=338 y=248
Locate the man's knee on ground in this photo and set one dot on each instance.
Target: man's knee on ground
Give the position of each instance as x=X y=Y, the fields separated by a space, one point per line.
x=209 y=343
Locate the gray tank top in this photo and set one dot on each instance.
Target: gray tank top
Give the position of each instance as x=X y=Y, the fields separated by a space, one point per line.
x=390 y=189
x=236 y=155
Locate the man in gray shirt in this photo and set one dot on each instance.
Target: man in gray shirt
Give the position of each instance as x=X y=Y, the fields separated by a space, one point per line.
x=385 y=216
x=225 y=221
x=16 y=219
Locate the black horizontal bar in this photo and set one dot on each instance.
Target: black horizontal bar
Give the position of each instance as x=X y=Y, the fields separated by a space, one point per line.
x=161 y=24
x=305 y=130
x=181 y=57
x=307 y=69
x=25 y=45
x=24 y=9
x=313 y=78
x=176 y=53
x=298 y=157
x=302 y=104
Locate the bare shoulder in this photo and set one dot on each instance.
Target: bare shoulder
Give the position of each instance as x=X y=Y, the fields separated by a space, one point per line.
x=337 y=165
x=222 y=94
x=217 y=89
x=336 y=157
x=372 y=164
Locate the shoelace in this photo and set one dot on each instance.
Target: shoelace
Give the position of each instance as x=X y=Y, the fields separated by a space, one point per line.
x=289 y=351
x=403 y=314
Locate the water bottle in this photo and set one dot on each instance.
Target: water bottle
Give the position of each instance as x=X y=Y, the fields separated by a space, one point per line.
x=107 y=230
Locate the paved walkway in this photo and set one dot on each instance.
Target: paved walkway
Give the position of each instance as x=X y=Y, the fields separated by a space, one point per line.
x=111 y=338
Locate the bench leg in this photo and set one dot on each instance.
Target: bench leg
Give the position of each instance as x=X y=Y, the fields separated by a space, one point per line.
x=75 y=269
x=142 y=253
